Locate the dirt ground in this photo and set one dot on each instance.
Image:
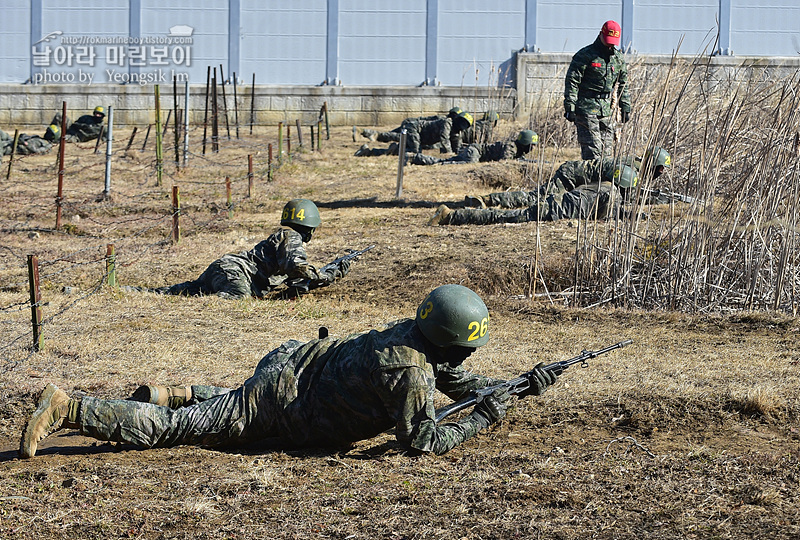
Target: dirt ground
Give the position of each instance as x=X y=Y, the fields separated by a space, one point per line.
x=690 y=432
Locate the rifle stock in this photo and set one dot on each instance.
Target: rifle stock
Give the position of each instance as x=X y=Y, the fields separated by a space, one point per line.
x=522 y=383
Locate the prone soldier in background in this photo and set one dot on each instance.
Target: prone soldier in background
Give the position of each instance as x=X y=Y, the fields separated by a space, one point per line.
x=88 y=127
x=421 y=134
x=477 y=152
x=279 y=260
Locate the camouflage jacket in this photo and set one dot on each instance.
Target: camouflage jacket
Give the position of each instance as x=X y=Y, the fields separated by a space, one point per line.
x=338 y=391
x=572 y=174
x=279 y=259
x=428 y=132
x=478 y=133
x=590 y=80
x=498 y=151
x=85 y=128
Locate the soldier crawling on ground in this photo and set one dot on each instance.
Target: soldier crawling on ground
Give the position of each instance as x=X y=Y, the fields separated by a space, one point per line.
x=477 y=152
x=26 y=144
x=278 y=261
x=327 y=392
x=421 y=134
x=86 y=128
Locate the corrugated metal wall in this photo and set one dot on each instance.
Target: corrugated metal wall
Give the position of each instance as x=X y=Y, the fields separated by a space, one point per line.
x=379 y=42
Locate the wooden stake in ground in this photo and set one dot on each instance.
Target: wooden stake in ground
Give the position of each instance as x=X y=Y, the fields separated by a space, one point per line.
x=13 y=151
x=176 y=215
x=327 y=123
x=61 y=147
x=159 y=146
x=111 y=265
x=269 y=162
x=280 y=142
x=229 y=197
x=166 y=122
x=99 y=138
x=250 y=175
x=36 y=299
x=185 y=123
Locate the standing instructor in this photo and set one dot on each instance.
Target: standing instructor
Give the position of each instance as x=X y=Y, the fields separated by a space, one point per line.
x=589 y=85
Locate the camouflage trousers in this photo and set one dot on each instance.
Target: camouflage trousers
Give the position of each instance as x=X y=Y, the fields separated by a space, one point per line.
x=468 y=154
x=585 y=202
x=218 y=417
x=222 y=277
x=595 y=135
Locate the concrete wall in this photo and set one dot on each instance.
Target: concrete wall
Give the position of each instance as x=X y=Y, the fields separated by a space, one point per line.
x=540 y=83
x=35 y=105
x=540 y=77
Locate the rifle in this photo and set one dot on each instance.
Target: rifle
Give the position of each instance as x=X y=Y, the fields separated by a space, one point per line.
x=664 y=196
x=349 y=257
x=302 y=286
x=522 y=383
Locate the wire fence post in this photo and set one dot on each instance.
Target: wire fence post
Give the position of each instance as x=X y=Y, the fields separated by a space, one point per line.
x=214 y=113
x=13 y=151
x=299 y=132
x=109 y=140
x=235 y=106
x=36 y=302
x=146 y=136
x=228 y=196
x=253 y=104
x=133 y=136
x=401 y=164
x=159 y=149
x=186 y=124
x=62 y=144
x=99 y=138
x=319 y=135
x=111 y=265
x=327 y=124
x=176 y=215
x=177 y=125
x=280 y=142
x=205 y=118
x=289 y=142
x=269 y=162
x=312 y=136
x=249 y=175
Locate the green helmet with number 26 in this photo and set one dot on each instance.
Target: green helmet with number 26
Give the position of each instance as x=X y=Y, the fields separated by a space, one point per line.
x=454 y=315
x=301 y=212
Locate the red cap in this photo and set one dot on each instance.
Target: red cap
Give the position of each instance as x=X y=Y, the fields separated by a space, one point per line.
x=611 y=33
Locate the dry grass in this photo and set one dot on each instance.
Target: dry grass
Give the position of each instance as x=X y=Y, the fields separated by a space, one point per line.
x=691 y=432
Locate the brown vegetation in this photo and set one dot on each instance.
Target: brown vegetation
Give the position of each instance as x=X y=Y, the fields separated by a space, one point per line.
x=691 y=432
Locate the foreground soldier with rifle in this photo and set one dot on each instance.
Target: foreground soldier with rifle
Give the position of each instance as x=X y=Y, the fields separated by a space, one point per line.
x=326 y=392
x=278 y=261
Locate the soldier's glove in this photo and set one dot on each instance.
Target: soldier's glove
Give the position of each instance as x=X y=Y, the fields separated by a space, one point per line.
x=539 y=379
x=570 y=116
x=626 y=115
x=492 y=408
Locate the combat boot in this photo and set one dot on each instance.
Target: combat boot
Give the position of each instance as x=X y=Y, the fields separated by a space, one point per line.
x=441 y=217
x=363 y=151
x=173 y=397
x=55 y=410
x=370 y=134
x=474 y=201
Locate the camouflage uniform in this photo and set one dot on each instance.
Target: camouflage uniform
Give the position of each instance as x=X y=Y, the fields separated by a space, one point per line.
x=422 y=133
x=480 y=132
x=588 y=88
x=568 y=176
x=26 y=144
x=280 y=259
x=325 y=392
x=596 y=200
x=85 y=128
x=475 y=153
